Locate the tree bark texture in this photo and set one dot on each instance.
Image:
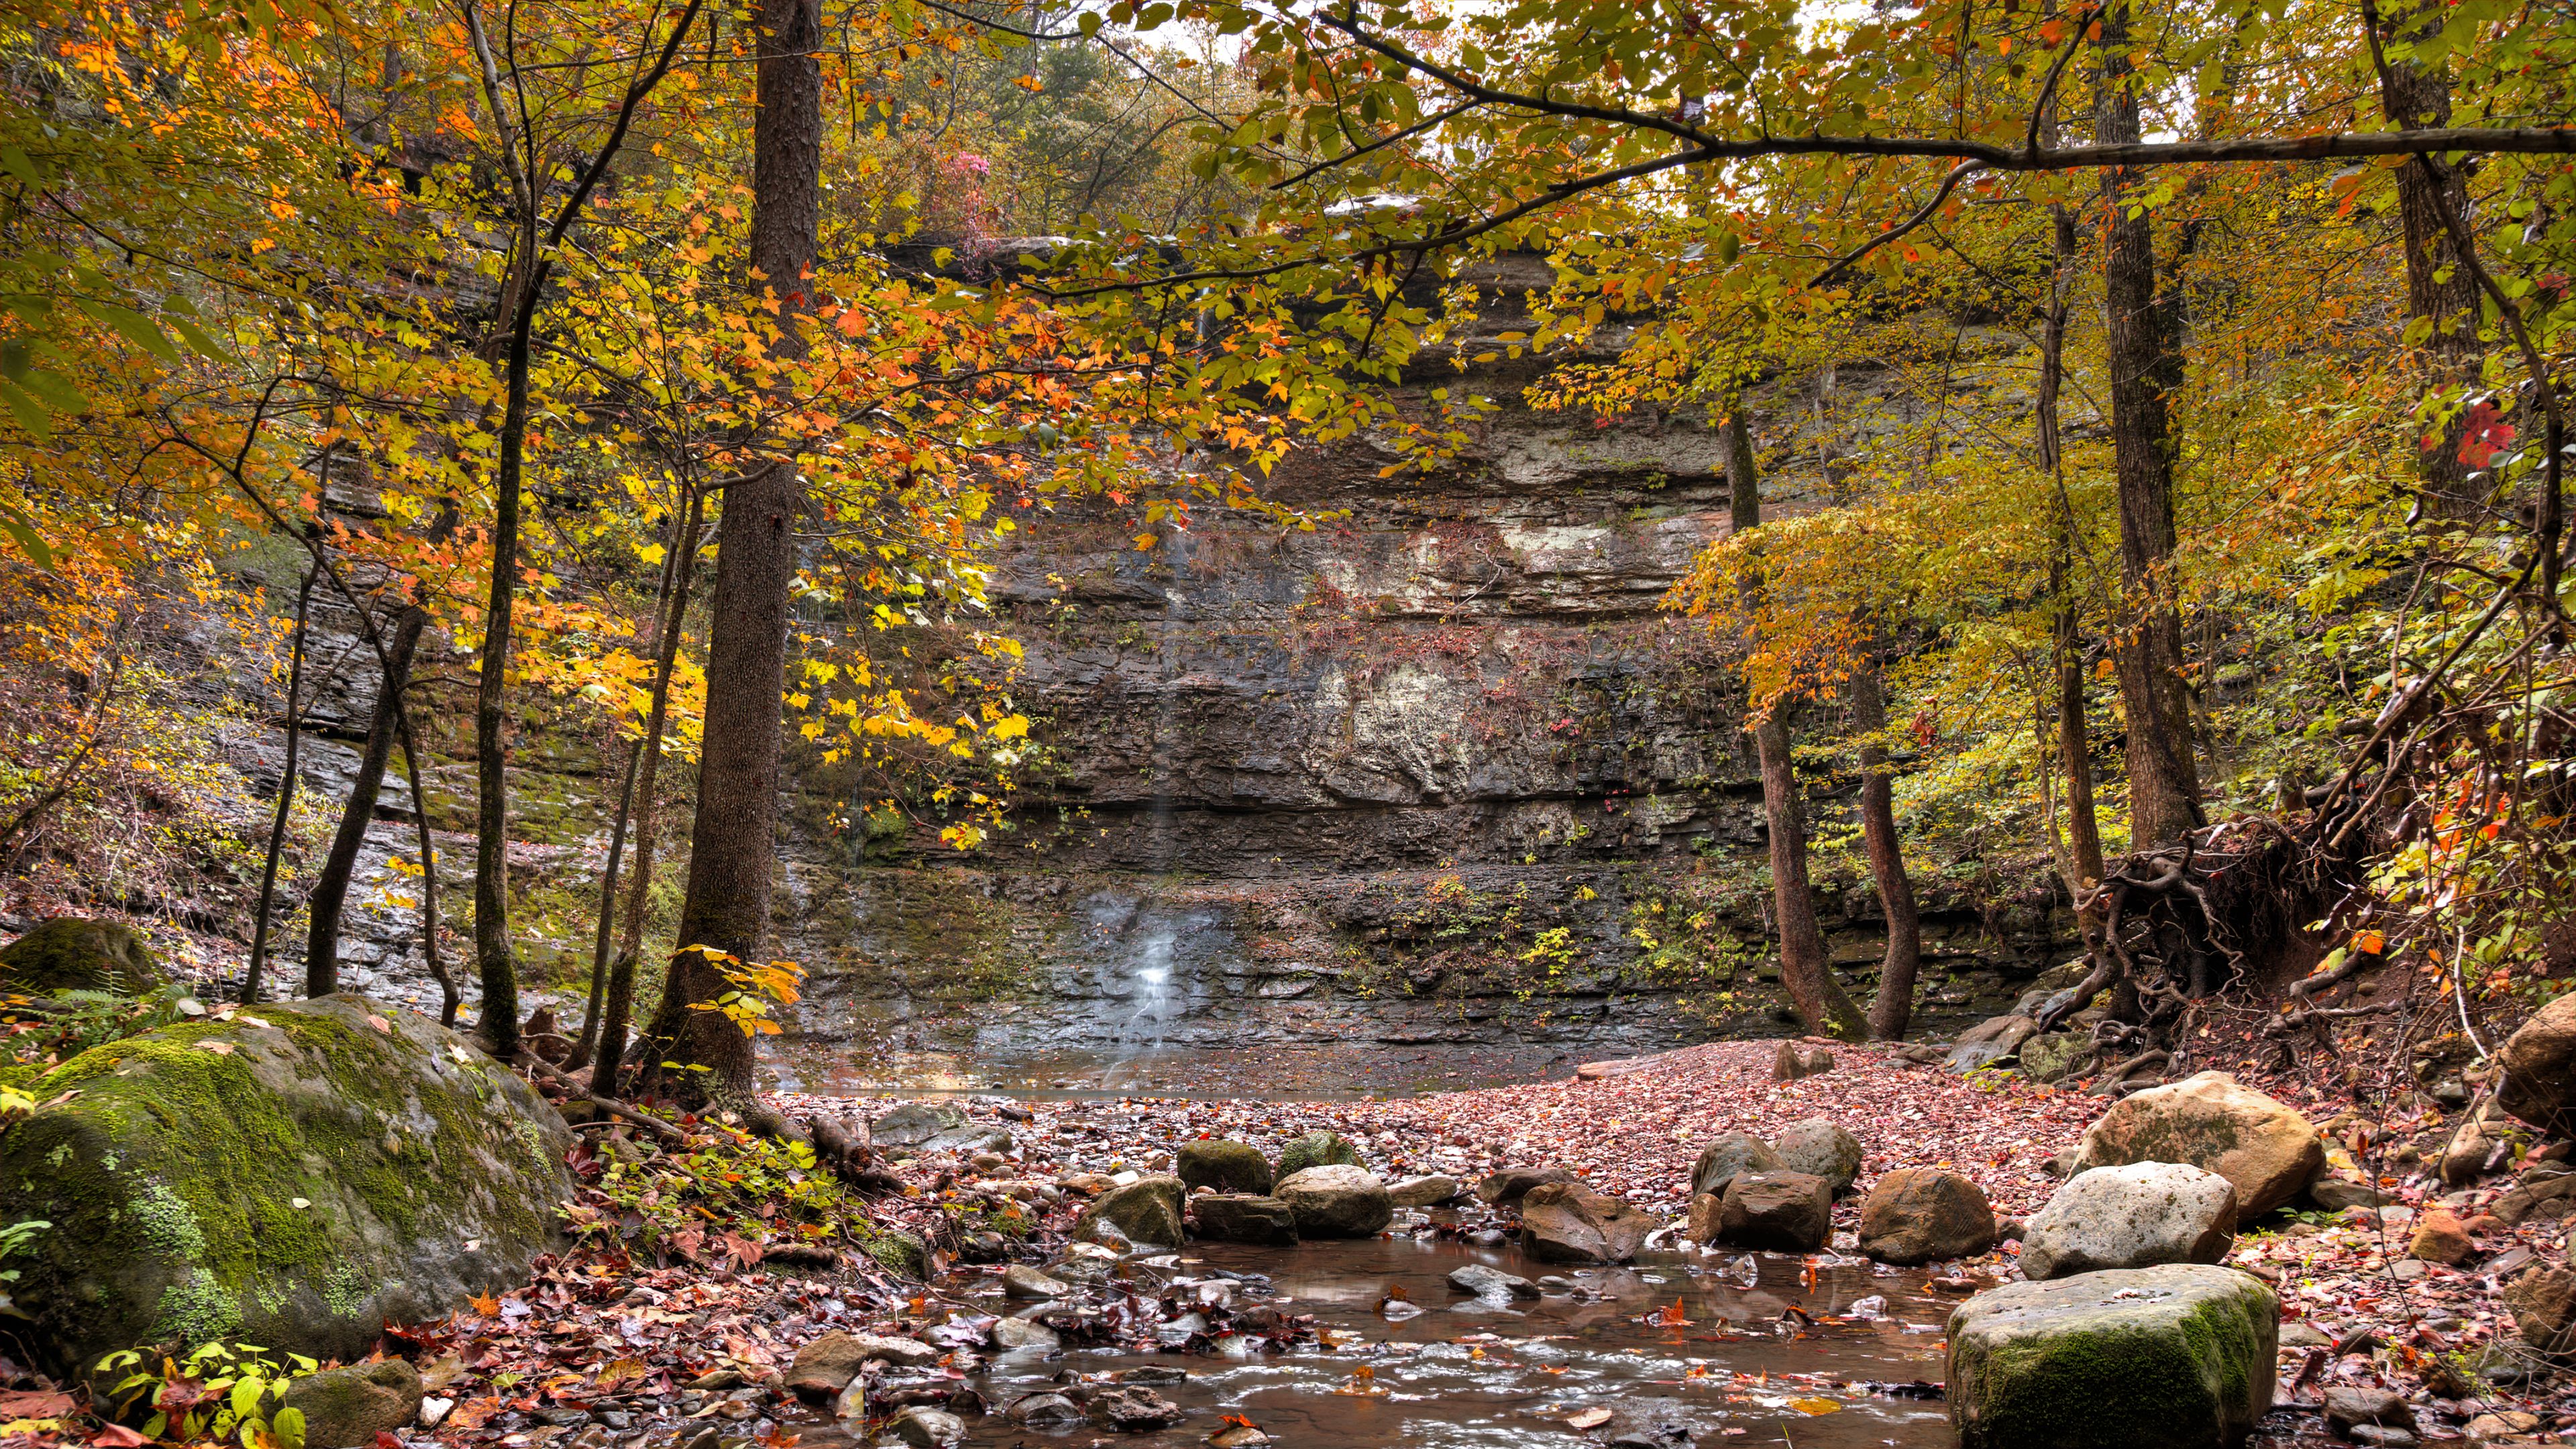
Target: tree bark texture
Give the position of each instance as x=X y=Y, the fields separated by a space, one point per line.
x=2417 y=97
x=285 y=794
x=330 y=894
x=2074 y=744
x=2164 y=780
x=1891 y=1011
x=732 y=841
x=1804 y=970
x=493 y=964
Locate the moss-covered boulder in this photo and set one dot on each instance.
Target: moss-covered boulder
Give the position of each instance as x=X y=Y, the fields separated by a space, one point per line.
x=1147 y=1210
x=2176 y=1357
x=1222 y=1166
x=68 y=953
x=294 y=1175
x=1316 y=1149
x=345 y=1408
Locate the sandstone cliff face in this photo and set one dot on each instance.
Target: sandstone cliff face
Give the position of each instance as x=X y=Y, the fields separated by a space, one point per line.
x=1439 y=770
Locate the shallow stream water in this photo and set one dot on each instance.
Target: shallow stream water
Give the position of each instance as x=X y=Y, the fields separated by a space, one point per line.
x=1761 y=1354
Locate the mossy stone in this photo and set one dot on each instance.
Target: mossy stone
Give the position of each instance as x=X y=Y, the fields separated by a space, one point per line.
x=1147 y=1210
x=345 y=1408
x=68 y=953
x=295 y=1175
x=1222 y=1166
x=2176 y=1357
x=903 y=1252
x=1316 y=1149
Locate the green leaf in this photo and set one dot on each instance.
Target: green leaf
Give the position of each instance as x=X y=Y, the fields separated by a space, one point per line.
x=29 y=413
x=288 y=1426
x=135 y=328
x=22 y=531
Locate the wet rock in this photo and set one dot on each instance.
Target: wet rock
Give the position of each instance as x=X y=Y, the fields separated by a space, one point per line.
x=2490 y=1428
x=1030 y=1284
x=1315 y=1149
x=2135 y=1216
x=915 y=1123
x=1243 y=1218
x=2539 y=1062
x=2268 y=1151
x=69 y=953
x=1563 y=1222
x=1130 y=1409
x=1917 y=1215
x=2175 y=1357
x=1781 y=1212
x=2334 y=1194
x=1041 y=1409
x=1989 y=1042
x=2440 y=1238
x=1506 y=1188
x=927 y=1428
x=982 y=1246
x=1337 y=1201
x=1423 y=1192
x=1487 y=1282
x=970 y=1140
x=2543 y=1304
x=1014 y=1335
x=1227 y=1167
x=1728 y=1155
x=902 y=1251
x=1706 y=1218
x=1819 y=1148
x=2346 y=1408
x=1147 y=1210
x=825 y=1366
x=347 y=1407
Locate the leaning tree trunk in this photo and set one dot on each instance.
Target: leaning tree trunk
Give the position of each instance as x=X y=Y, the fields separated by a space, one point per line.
x=732 y=842
x=1892 y=1009
x=331 y=887
x=2164 y=780
x=1804 y=970
x=285 y=795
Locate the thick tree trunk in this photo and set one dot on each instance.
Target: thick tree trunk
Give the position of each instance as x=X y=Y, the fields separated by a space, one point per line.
x=2440 y=293
x=1891 y=1011
x=2164 y=780
x=285 y=794
x=620 y=1008
x=1804 y=970
x=732 y=844
x=331 y=888
x=498 y=973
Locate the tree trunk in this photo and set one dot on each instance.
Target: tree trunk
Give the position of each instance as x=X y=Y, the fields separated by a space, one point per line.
x=285 y=794
x=2164 y=781
x=428 y=871
x=620 y=1007
x=732 y=843
x=331 y=887
x=1892 y=1009
x=499 y=1019
x=2073 y=743
x=2440 y=293
x=1804 y=970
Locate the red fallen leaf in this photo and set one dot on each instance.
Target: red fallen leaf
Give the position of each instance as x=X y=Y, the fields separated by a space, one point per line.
x=117 y=1436
x=36 y=1404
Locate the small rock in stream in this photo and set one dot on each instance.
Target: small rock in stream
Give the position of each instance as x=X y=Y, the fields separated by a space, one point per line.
x=928 y=1428
x=1487 y=1282
x=1129 y=1409
x=1029 y=1284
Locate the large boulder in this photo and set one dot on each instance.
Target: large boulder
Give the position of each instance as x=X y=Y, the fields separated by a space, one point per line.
x=1245 y=1218
x=1917 y=1215
x=1729 y=1154
x=2177 y=1357
x=1147 y=1210
x=2137 y=1216
x=68 y=953
x=2540 y=1069
x=294 y=1175
x=2270 y=1152
x=1783 y=1212
x=1989 y=1042
x=915 y=1123
x=1818 y=1148
x=2543 y=1304
x=1563 y=1222
x=1223 y=1166
x=1506 y=1187
x=1336 y=1201
x=2058 y=1055
x=1316 y=1149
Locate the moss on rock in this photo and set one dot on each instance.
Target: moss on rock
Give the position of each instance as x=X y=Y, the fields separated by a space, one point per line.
x=1224 y=1166
x=2176 y=1357
x=68 y=953
x=295 y=1174
x=1316 y=1149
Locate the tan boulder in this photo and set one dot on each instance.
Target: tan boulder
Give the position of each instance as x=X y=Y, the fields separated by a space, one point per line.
x=2540 y=1068
x=2267 y=1151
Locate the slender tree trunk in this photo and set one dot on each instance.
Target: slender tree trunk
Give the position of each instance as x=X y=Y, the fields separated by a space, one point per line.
x=1891 y=1011
x=331 y=887
x=621 y=975
x=285 y=793
x=1804 y=970
x=2441 y=294
x=428 y=870
x=498 y=1021
x=2073 y=744
x=732 y=845
x=2164 y=780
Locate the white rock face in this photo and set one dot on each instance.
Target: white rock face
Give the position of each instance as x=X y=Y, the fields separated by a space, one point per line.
x=2138 y=1216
